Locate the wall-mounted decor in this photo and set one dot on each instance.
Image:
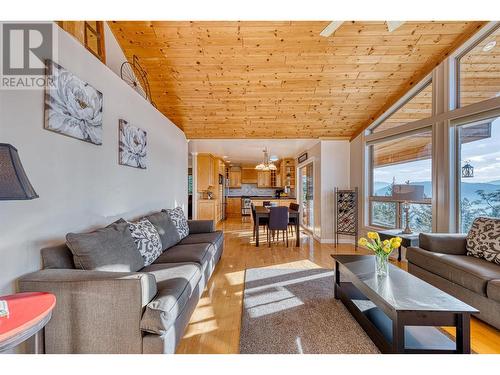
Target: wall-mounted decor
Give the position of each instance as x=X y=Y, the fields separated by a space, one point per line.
x=302 y=158
x=132 y=145
x=72 y=106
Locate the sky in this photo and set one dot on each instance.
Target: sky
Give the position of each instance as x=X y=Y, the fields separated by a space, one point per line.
x=483 y=155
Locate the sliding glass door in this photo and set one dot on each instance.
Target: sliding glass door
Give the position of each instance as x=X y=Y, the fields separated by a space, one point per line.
x=306 y=187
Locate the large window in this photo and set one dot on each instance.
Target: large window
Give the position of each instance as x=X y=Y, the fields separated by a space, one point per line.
x=466 y=145
x=479 y=71
x=416 y=108
x=406 y=160
x=479 y=170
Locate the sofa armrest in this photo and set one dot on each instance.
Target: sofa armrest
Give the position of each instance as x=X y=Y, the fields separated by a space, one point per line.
x=201 y=226
x=96 y=311
x=446 y=243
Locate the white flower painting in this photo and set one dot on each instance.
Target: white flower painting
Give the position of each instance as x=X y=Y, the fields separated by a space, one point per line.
x=132 y=145
x=72 y=107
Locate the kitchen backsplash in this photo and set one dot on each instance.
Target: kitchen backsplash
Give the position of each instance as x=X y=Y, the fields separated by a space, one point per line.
x=252 y=190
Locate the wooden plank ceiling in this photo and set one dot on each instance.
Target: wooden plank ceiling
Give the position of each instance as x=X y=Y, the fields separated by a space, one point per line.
x=282 y=79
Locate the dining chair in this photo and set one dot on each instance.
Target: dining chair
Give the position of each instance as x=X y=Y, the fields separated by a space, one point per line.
x=262 y=221
x=292 y=222
x=278 y=221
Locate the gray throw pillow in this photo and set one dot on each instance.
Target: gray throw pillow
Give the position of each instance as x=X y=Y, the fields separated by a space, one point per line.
x=107 y=249
x=166 y=229
x=147 y=240
x=179 y=220
x=483 y=239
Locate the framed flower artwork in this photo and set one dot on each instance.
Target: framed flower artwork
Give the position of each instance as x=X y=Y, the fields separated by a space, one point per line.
x=132 y=147
x=72 y=106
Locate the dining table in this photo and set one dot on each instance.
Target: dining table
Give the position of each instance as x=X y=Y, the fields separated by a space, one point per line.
x=263 y=212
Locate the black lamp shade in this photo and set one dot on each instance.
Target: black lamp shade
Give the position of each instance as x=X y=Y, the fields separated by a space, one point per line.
x=14 y=184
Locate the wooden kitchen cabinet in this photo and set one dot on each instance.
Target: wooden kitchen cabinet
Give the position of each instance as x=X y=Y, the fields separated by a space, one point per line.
x=287 y=173
x=235 y=177
x=207 y=209
x=222 y=167
x=248 y=176
x=264 y=179
x=205 y=172
x=233 y=208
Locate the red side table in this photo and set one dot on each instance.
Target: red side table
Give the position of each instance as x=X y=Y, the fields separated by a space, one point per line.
x=28 y=314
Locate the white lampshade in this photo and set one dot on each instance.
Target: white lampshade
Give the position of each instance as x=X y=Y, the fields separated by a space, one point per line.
x=260 y=167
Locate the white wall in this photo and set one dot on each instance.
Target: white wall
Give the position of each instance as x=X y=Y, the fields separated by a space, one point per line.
x=335 y=172
x=81 y=185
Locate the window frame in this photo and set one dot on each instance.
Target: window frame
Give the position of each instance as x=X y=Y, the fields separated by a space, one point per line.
x=468 y=46
x=445 y=115
x=373 y=198
x=412 y=93
x=455 y=125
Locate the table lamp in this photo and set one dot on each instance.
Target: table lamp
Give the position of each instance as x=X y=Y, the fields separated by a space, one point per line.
x=407 y=193
x=14 y=184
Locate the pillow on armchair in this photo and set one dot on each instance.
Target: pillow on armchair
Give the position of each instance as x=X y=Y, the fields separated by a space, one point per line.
x=483 y=239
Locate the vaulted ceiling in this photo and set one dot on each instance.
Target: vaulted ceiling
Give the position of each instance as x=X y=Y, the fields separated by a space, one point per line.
x=282 y=79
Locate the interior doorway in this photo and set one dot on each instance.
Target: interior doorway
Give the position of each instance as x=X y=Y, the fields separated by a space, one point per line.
x=306 y=195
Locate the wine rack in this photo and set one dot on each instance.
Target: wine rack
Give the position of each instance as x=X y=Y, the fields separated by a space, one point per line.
x=346 y=214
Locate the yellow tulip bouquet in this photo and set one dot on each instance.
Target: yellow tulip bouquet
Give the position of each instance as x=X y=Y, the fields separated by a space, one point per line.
x=382 y=249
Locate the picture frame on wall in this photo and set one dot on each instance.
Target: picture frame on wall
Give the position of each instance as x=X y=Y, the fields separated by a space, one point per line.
x=302 y=158
x=132 y=145
x=72 y=107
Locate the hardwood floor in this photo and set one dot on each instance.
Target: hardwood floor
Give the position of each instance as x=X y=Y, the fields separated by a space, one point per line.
x=215 y=324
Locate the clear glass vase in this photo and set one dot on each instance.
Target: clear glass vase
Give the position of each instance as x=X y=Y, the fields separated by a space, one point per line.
x=381 y=264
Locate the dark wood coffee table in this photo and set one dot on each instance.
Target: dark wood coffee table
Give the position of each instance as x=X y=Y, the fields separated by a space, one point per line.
x=401 y=312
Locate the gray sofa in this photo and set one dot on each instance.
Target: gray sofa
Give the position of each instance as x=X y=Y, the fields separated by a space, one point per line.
x=441 y=260
x=126 y=312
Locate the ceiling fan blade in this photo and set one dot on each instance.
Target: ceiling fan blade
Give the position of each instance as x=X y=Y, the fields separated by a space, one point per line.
x=393 y=25
x=330 y=28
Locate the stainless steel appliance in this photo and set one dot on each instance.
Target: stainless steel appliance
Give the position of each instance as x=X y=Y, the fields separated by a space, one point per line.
x=246 y=206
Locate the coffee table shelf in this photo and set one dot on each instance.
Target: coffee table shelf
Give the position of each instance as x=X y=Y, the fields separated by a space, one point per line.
x=417 y=338
x=400 y=312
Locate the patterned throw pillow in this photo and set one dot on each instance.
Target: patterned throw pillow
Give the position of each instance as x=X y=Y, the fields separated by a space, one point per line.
x=180 y=222
x=147 y=240
x=483 y=239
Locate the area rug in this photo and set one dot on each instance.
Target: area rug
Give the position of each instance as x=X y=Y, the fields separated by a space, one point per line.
x=294 y=311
